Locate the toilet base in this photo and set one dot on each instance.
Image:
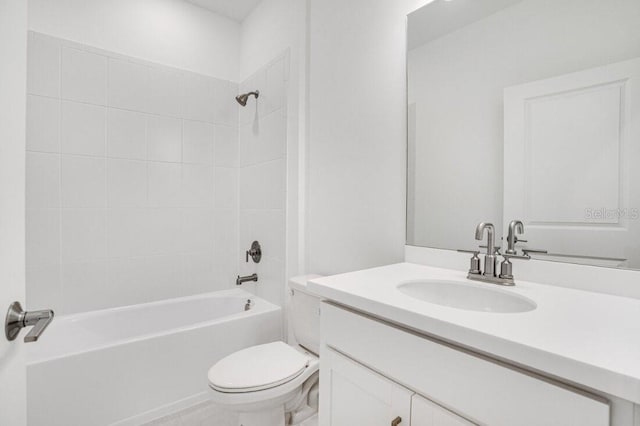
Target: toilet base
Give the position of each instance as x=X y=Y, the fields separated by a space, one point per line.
x=267 y=417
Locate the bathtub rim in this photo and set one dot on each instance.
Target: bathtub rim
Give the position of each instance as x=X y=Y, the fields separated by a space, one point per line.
x=259 y=306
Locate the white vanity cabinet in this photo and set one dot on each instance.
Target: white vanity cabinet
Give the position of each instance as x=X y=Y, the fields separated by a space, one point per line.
x=374 y=372
x=360 y=396
x=427 y=413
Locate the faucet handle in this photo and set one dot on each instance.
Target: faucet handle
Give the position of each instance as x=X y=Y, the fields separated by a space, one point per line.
x=474 y=265
x=506 y=267
x=516 y=239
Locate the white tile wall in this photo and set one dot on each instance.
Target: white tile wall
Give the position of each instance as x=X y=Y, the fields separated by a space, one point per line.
x=140 y=178
x=262 y=177
x=196 y=142
x=83 y=182
x=82 y=236
x=43 y=182
x=128 y=85
x=262 y=185
x=43 y=74
x=83 y=76
x=132 y=179
x=126 y=134
x=82 y=128
x=164 y=139
x=225 y=146
x=126 y=183
x=199 y=103
x=43 y=124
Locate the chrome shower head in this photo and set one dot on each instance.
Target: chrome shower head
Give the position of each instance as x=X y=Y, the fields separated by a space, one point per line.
x=242 y=99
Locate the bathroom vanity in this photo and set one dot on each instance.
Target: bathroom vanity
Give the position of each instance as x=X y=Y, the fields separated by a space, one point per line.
x=532 y=354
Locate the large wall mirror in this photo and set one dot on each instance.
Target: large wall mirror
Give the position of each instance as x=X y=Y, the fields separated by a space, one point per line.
x=528 y=110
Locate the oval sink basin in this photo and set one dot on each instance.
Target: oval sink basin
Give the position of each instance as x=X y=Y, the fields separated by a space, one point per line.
x=455 y=294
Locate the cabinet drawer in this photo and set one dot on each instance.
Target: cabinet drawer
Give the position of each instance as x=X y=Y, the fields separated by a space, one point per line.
x=477 y=388
x=353 y=395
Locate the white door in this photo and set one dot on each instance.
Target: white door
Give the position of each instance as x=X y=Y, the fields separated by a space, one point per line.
x=13 y=76
x=358 y=396
x=426 y=413
x=570 y=163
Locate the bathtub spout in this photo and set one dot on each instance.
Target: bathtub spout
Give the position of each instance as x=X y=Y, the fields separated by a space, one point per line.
x=247 y=278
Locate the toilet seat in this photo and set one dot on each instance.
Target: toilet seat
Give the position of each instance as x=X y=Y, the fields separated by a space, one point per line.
x=258 y=368
x=246 y=401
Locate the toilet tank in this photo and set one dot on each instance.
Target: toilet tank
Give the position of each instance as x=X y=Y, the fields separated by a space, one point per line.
x=305 y=313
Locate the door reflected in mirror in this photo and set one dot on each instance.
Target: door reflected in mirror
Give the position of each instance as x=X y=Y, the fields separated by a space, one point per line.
x=529 y=110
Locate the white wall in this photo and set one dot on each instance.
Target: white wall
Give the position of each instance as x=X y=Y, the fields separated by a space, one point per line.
x=355 y=214
x=457 y=84
x=131 y=179
x=169 y=32
x=13 y=80
x=271 y=28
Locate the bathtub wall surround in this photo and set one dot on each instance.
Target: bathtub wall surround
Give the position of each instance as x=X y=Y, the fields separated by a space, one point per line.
x=263 y=178
x=131 y=179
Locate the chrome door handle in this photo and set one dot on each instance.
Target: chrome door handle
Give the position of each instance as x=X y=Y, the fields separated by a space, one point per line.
x=396 y=421
x=18 y=319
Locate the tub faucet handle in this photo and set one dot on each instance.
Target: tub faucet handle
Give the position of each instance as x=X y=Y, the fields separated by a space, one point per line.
x=255 y=252
x=18 y=319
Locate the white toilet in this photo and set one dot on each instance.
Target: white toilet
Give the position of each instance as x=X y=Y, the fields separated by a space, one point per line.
x=275 y=384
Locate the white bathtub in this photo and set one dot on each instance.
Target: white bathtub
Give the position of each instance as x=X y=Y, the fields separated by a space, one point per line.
x=129 y=365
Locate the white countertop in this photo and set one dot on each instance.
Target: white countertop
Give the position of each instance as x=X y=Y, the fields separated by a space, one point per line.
x=590 y=339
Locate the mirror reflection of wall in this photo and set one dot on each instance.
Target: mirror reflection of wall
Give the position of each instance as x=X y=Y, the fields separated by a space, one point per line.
x=464 y=57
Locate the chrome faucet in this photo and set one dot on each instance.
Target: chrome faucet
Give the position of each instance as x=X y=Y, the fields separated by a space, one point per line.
x=515 y=226
x=490 y=256
x=490 y=275
x=245 y=279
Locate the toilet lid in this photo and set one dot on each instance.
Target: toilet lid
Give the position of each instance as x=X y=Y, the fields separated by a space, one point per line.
x=257 y=368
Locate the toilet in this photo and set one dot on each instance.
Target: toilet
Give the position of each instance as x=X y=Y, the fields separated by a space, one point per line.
x=275 y=384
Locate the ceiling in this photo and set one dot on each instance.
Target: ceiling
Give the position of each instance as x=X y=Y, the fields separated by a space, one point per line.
x=234 y=9
x=441 y=17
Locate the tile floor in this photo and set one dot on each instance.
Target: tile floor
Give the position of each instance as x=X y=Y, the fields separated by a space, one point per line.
x=207 y=414
x=204 y=414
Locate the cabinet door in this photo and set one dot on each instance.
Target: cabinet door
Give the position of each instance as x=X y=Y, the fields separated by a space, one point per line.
x=357 y=396
x=426 y=413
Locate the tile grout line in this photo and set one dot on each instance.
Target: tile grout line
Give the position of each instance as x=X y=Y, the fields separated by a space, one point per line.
x=60 y=245
x=106 y=169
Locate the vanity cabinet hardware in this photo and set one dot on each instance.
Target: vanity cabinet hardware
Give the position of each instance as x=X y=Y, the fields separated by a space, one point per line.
x=396 y=421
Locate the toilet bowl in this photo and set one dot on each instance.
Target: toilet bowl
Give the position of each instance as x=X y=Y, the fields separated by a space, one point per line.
x=274 y=384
